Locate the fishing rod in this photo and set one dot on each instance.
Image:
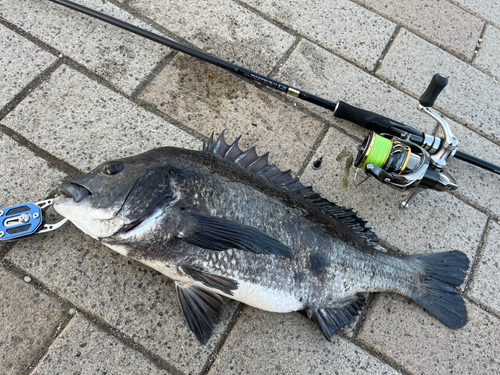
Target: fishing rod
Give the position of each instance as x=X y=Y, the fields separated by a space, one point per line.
x=366 y=119
x=394 y=153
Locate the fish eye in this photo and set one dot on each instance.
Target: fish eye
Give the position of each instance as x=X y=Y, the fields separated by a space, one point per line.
x=113 y=168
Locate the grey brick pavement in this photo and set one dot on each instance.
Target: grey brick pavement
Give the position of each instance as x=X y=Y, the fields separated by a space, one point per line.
x=75 y=92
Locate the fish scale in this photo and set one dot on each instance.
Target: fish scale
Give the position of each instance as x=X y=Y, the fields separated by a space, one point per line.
x=223 y=222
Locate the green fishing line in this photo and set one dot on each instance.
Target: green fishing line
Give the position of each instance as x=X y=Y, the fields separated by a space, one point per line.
x=377 y=152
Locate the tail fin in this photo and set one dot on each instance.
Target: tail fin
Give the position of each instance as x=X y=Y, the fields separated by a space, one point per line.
x=444 y=272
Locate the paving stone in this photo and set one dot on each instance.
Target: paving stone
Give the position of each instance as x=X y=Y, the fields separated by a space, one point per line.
x=223 y=29
x=207 y=99
x=125 y=294
x=488 y=9
x=423 y=345
x=21 y=62
x=271 y=343
x=482 y=186
x=118 y=56
x=343 y=26
x=486 y=287
x=433 y=223
x=25 y=177
x=321 y=73
x=84 y=349
x=488 y=56
x=470 y=95
x=29 y=321
x=85 y=123
x=444 y=23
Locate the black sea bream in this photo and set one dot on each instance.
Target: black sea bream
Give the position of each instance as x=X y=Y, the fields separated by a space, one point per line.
x=224 y=222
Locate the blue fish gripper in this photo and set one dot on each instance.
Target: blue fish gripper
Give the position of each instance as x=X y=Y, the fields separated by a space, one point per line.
x=25 y=220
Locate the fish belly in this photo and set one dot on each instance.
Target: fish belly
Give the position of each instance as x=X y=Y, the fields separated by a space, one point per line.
x=251 y=294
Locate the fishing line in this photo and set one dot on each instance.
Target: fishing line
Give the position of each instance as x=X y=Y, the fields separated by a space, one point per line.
x=157 y=80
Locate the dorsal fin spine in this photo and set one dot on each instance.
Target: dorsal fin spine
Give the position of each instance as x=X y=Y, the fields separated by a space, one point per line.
x=250 y=160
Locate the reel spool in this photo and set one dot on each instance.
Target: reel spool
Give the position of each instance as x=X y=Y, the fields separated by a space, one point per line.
x=389 y=154
x=402 y=165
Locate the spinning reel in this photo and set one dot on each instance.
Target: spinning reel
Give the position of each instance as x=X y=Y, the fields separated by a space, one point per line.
x=401 y=163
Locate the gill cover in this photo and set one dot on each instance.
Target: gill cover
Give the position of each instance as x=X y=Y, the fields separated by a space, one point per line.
x=151 y=189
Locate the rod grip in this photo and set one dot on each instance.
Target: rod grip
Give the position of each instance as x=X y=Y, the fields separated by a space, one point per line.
x=438 y=83
x=373 y=121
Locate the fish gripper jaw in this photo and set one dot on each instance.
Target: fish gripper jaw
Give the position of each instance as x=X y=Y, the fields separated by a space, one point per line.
x=26 y=219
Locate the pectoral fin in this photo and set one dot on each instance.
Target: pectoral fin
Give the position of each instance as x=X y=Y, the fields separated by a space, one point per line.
x=218 y=234
x=201 y=309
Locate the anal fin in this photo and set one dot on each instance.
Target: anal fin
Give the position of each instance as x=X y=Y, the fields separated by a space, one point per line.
x=330 y=320
x=201 y=309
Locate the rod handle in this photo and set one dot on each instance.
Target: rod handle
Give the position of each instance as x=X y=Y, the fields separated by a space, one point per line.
x=374 y=122
x=438 y=83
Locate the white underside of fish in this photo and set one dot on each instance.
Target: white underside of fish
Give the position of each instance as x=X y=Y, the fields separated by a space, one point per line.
x=249 y=293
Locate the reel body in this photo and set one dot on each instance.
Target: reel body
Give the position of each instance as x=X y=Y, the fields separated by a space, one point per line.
x=402 y=165
x=406 y=160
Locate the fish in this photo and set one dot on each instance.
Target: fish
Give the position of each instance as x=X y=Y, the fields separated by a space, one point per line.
x=222 y=222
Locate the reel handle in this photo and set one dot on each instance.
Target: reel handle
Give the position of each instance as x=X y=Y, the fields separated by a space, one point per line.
x=438 y=83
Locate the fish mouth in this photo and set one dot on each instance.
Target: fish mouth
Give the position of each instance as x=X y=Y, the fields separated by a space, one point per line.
x=75 y=191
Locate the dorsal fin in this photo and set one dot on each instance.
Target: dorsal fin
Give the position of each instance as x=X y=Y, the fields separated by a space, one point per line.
x=259 y=165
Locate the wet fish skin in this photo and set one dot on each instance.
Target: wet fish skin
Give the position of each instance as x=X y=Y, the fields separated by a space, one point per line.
x=216 y=227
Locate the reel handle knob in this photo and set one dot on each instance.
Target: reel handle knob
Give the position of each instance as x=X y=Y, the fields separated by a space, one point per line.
x=438 y=83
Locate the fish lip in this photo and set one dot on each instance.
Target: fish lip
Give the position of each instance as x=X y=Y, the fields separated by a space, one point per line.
x=70 y=190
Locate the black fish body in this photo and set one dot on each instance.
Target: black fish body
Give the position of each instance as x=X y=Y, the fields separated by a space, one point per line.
x=224 y=222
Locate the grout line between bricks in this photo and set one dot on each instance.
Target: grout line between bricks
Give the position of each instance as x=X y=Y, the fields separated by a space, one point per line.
x=300 y=35
x=388 y=46
x=19 y=273
x=482 y=306
x=468 y=10
x=375 y=353
x=362 y=316
x=31 y=86
x=310 y=155
x=238 y=312
x=488 y=73
x=31 y=38
x=94 y=319
x=284 y=58
x=481 y=36
x=71 y=321
x=414 y=30
x=52 y=161
x=475 y=205
x=474 y=267
x=480 y=40
x=141 y=87
x=153 y=24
